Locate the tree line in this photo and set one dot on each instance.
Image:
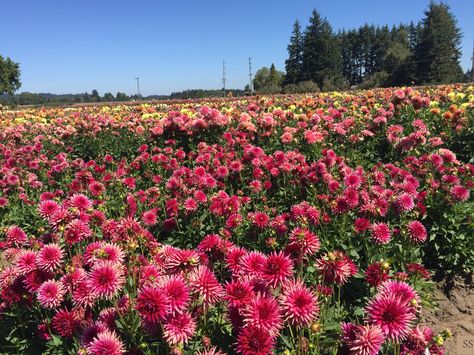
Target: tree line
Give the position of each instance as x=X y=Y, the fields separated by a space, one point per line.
x=28 y=98
x=370 y=56
x=47 y=99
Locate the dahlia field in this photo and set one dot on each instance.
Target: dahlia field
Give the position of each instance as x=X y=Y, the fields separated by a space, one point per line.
x=308 y=224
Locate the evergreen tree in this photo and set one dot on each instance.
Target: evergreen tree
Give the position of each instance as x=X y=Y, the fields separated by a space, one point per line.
x=293 y=65
x=274 y=77
x=321 y=52
x=437 y=52
x=95 y=97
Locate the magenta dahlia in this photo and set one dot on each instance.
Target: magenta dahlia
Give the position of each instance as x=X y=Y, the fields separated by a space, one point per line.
x=299 y=305
x=254 y=341
x=51 y=293
x=392 y=315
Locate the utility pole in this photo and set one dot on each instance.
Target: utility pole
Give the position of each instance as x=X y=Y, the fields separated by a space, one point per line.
x=472 y=67
x=250 y=76
x=138 y=87
x=223 y=77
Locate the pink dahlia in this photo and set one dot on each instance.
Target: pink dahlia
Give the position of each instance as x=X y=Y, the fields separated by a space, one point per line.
x=353 y=180
x=80 y=202
x=392 y=315
x=260 y=219
x=336 y=267
x=252 y=264
x=362 y=339
x=212 y=351
x=277 y=269
x=149 y=218
x=302 y=242
x=16 y=237
x=380 y=233
x=66 y=322
x=361 y=225
x=106 y=343
x=254 y=341
x=26 y=262
x=298 y=304
x=399 y=289
x=51 y=293
x=417 y=232
x=179 y=328
x=106 y=279
x=233 y=257
x=238 y=293
x=376 y=274
x=459 y=193
x=203 y=283
x=263 y=312
x=50 y=257
x=176 y=289
x=152 y=304
x=47 y=208
x=405 y=202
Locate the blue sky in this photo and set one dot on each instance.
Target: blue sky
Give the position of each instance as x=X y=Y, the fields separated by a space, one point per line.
x=72 y=46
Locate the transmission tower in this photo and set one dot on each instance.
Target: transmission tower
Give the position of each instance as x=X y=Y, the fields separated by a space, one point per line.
x=138 y=87
x=223 y=78
x=250 y=76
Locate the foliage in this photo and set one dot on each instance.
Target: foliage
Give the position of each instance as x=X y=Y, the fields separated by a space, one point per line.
x=9 y=76
x=268 y=80
x=321 y=53
x=437 y=53
x=294 y=63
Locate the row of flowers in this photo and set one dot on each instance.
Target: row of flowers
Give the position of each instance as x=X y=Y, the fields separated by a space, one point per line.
x=295 y=224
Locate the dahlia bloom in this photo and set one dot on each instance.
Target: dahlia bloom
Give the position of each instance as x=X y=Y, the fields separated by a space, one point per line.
x=177 y=292
x=336 y=267
x=50 y=257
x=392 y=315
x=106 y=279
x=238 y=293
x=179 y=328
x=302 y=242
x=254 y=341
x=152 y=304
x=51 y=294
x=252 y=264
x=380 y=233
x=203 y=283
x=362 y=339
x=376 y=274
x=26 y=262
x=263 y=312
x=459 y=193
x=298 y=304
x=417 y=232
x=66 y=322
x=106 y=343
x=277 y=268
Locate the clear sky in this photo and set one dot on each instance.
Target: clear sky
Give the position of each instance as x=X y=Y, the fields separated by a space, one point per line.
x=71 y=46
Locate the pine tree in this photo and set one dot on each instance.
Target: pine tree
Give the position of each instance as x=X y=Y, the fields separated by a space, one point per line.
x=293 y=65
x=437 y=52
x=274 y=77
x=321 y=52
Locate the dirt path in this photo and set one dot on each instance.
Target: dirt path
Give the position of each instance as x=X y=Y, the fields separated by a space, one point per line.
x=455 y=310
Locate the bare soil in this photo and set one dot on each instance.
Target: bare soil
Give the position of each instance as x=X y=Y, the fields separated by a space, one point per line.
x=454 y=309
